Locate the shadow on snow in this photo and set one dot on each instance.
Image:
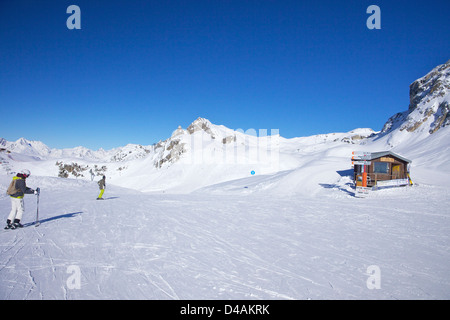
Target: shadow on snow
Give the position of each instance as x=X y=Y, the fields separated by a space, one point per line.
x=67 y=215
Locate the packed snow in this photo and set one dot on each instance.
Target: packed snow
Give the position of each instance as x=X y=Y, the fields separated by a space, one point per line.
x=294 y=233
x=226 y=246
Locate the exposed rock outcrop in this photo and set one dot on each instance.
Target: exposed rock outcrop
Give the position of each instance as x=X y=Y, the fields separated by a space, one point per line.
x=429 y=104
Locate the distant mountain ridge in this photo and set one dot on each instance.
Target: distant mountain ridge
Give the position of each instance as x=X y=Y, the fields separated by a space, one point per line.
x=40 y=150
x=170 y=150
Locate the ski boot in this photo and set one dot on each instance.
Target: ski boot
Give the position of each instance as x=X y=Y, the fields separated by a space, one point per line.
x=8 y=224
x=16 y=224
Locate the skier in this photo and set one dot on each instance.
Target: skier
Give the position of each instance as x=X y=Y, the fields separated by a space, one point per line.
x=16 y=190
x=101 y=185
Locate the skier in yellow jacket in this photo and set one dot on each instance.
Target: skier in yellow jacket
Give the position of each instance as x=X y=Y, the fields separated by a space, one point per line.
x=102 y=186
x=16 y=190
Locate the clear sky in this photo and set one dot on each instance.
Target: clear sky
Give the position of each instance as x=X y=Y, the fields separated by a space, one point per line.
x=137 y=69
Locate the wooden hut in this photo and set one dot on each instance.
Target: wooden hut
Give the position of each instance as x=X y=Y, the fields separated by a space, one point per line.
x=385 y=169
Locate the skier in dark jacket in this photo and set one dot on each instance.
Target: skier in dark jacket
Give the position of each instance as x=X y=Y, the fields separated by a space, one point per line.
x=102 y=186
x=16 y=190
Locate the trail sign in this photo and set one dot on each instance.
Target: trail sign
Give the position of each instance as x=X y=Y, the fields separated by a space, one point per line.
x=361 y=162
x=361 y=155
x=362 y=192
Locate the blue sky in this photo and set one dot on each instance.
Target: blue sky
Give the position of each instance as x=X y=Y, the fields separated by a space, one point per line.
x=138 y=69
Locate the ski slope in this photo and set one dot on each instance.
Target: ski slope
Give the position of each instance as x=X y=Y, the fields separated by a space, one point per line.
x=206 y=245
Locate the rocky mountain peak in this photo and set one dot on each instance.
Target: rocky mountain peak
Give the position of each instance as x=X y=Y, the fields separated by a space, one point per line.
x=435 y=84
x=201 y=124
x=178 y=132
x=429 y=108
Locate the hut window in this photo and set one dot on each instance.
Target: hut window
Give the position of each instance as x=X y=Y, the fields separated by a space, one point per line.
x=381 y=167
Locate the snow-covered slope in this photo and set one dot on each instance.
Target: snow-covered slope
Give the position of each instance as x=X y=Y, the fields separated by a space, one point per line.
x=193 y=159
x=203 y=154
x=248 y=246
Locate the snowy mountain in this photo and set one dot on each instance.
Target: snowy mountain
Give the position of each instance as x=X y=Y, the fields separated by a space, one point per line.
x=41 y=151
x=205 y=154
x=428 y=110
x=23 y=146
x=202 y=154
x=421 y=132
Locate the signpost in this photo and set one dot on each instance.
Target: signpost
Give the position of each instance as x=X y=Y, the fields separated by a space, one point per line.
x=360 y=154
x=362 y=158
x=362 y=162
x=361 y=192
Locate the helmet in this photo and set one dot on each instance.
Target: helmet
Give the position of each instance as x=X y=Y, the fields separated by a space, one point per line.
x=25 y=172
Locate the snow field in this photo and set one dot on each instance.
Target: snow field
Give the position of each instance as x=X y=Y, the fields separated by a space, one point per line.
x=229 y=246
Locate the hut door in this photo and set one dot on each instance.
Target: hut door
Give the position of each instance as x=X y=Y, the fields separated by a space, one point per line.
x=396 y=171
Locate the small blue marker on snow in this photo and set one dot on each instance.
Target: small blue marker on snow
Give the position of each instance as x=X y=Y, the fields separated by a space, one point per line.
x=252 y=172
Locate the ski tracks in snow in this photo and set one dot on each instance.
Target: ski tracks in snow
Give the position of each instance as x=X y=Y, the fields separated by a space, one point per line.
x=162 y=246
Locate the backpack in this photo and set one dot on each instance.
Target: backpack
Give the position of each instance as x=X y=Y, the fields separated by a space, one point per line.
x=101 y=183
x=12 y=188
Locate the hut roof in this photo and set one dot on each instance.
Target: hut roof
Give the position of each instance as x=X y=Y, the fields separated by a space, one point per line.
x=375 y=155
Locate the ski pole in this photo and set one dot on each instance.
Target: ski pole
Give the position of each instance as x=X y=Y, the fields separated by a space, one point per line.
x=37 y=208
